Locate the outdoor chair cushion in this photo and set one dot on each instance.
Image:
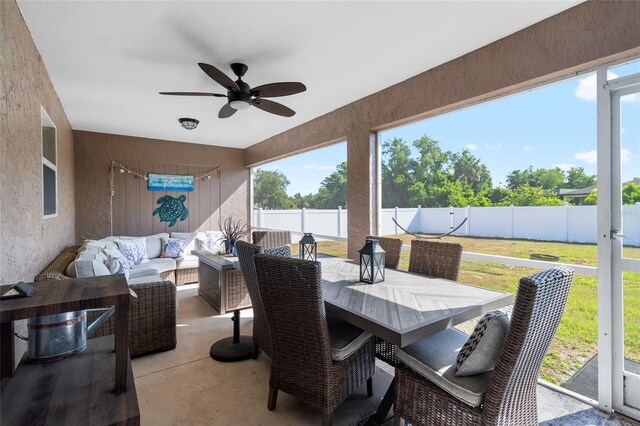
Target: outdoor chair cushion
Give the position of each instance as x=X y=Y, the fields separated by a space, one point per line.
x=153 y=243
x=344 y=338
x=278 y=251
x=89 y=263
x=158 y=265
x=186 y=262
x=480 y=351
x=434 y=357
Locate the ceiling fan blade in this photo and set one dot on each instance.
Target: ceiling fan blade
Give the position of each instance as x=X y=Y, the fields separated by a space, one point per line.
x=278 y=89
x=218 y=95
x=273 y=107
x=226 y=111
x=220 y=77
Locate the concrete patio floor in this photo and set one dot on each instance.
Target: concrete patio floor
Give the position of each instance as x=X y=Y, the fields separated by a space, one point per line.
x=186 y=387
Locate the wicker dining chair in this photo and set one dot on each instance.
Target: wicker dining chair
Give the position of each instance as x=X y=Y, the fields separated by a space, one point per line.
x=505 y=396
x=392 y=247
x=438 y=259
x=312 y=360
x=271 y=239
x=261 y=336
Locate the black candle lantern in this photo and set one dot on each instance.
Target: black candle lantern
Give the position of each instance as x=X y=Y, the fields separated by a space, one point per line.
x=308 y=247
x=372 y=262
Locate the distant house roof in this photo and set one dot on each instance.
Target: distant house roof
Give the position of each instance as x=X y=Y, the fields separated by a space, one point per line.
x=583 y=192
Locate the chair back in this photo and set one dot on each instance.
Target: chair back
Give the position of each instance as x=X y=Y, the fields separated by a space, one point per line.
x=393 y=248
x=439 y=259
x=261 y=335
x=271 y=239
x=538 y=308
x=291 y=291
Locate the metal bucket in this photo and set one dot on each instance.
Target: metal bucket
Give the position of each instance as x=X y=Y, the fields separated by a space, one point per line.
x=58 y=336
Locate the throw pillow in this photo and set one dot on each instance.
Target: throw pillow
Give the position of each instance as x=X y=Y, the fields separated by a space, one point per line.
x=480 y=352
x=278 y=251
x=174 y=247
x=135 y=250
x=116 y=262
x=208 y=243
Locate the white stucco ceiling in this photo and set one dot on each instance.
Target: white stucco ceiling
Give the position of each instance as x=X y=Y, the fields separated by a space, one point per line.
x=109 y=60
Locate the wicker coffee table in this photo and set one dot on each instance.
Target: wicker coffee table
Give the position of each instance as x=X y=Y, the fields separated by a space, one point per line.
x=222 y=285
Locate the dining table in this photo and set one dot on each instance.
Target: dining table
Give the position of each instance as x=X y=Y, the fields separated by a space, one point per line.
x=402 y=309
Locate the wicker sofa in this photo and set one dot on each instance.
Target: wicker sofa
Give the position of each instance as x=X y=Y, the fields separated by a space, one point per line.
x=152 y=315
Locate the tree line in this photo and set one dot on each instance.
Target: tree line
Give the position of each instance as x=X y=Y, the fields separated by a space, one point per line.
x=435 y=178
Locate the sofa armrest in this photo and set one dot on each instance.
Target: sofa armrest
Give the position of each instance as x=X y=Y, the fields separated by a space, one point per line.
x=152 y=318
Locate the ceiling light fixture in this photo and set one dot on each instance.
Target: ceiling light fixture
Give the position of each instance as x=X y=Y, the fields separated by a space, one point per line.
x=238 y=104
x=188 y=123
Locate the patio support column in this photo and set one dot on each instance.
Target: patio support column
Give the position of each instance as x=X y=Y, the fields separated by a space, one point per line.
x=362 y=187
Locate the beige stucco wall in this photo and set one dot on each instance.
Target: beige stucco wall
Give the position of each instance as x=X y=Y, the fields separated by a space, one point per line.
x=29 y=242
x=579 y=39
x=132 y=214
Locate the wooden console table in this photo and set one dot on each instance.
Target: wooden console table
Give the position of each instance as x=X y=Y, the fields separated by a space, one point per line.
x=72 y=389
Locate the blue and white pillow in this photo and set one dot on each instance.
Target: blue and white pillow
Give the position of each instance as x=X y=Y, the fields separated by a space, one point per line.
x=278 y=251
x=174 y=247
x=116 y=261
x=135 y=250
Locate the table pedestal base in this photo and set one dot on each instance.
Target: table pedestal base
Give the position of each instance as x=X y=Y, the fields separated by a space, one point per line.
x=235 y=348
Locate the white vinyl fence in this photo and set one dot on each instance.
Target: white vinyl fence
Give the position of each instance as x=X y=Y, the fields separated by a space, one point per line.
x=576 y=224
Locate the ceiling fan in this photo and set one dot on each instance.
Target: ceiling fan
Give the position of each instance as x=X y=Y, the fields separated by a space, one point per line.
x=241 y=96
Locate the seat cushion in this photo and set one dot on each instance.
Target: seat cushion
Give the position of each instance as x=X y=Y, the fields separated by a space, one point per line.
x=186 y=262
x=158 y=265
x=143 y=276
x=344 y=338
x=435 y=358
x=154 y=244
x=481 y=350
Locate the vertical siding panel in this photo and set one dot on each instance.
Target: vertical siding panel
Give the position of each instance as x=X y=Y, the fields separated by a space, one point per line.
x=170 y=169
x=216 y=203
x=155 y=195
x=119 y=201
x=132 y=217
x=146 y=202
x=195 y=224
x=184 y=226
x=205 y=203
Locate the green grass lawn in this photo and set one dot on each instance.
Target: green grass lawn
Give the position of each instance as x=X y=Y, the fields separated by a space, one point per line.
x=576 y=339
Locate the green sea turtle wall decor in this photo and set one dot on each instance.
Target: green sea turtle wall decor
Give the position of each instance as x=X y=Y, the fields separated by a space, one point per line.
x=171 y=209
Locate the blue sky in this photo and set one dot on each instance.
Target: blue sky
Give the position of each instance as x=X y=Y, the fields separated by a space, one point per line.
x=547 y=127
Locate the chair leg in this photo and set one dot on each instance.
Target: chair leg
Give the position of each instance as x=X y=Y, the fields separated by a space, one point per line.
x=397 y=421
x=327 y=419
x=255 y=351
x=273 y=397
x=370 y=387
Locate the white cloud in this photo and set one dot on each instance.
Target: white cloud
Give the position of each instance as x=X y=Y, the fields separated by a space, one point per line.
x=472 y=147
x=316 y=166
x=625 y=155
x=591 y=157
x=564 y=166
x=528 y=148
x=489 y=147
x=586 y=90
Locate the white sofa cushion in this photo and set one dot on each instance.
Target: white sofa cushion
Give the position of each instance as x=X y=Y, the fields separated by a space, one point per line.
x=159 y=265
x=190 y=237
x=134 y=249
x=186 y=262
x=89 y=263
x=434 y=357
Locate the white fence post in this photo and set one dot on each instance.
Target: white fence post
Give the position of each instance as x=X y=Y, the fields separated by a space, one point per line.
x=259 y=216
x=511 y=221
x=303 y=220
x=566 y=221
x=450 y=218
x=466 y=227
x=339 y=221
x=395 y=216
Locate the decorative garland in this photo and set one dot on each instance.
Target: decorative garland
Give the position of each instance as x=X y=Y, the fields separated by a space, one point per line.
x=143 y=174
